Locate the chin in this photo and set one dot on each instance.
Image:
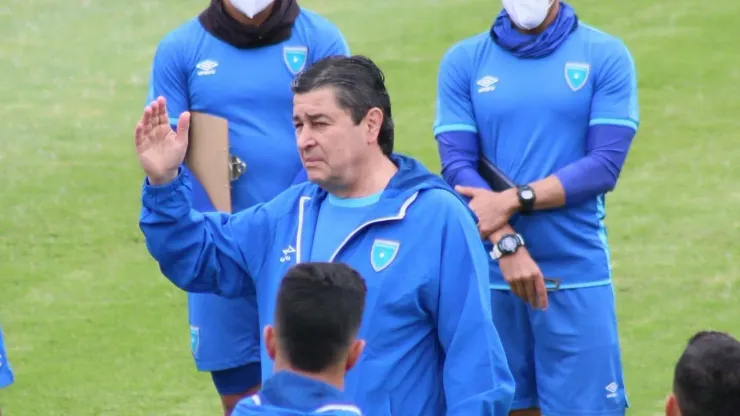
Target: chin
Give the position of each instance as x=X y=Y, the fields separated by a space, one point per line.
x=315 y=177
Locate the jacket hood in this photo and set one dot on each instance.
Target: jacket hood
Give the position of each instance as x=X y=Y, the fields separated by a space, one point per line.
x=412 y=176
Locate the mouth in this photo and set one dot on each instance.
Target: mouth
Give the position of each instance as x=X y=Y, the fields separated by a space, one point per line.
x=311 y=161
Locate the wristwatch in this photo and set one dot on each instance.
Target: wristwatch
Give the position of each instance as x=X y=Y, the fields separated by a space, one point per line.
x=508 y=244
x=526 y=196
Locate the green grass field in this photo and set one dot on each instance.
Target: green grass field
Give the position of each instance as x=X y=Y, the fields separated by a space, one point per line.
x=93 y=329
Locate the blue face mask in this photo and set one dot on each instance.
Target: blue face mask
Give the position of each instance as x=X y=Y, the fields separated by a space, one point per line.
x=524 y=45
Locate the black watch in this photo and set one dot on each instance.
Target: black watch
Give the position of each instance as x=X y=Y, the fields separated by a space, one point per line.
x=526 y=197
x=508 y=244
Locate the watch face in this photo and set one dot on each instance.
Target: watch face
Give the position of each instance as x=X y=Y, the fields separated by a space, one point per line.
x=527 y=194
x=508 y=244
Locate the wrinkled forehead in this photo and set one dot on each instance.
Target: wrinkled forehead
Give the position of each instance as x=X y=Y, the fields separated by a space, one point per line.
x=321 y=101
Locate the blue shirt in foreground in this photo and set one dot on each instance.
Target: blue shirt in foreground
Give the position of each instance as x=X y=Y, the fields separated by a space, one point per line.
x=589 y=82
x=287 y=393
x=431 y=347
x=6 y=372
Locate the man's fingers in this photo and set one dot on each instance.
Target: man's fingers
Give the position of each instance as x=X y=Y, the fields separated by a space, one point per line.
x=138 y=133
x=516 y=287
x=162 y=117
x=541 y=289
x=149 y=119
x=530 y=293
x=183 y=124
x=466 y=191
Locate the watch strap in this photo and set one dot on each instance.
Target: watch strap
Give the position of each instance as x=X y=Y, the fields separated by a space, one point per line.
x=496 y=253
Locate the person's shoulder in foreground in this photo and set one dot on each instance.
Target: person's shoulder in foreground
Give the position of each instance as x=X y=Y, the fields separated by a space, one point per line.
x=313 y=343
x=6 y=372
x=707 y=377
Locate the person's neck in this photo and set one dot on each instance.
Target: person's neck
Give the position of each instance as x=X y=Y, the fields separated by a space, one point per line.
x=551 y=16
x=372 y=178
x=242 y=18
x=331 y=376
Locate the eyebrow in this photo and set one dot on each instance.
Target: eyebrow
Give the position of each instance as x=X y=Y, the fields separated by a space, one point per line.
x=313 y=117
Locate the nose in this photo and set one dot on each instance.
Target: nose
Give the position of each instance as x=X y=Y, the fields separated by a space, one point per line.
x=304 y=137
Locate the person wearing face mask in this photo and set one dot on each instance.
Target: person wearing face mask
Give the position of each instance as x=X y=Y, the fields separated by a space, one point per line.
x=236 y=60
x=552 y=103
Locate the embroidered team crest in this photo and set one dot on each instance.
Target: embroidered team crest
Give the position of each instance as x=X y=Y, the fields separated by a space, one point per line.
x=194 y=339
x=295 y=58
x=576 y=75
x=383 y=253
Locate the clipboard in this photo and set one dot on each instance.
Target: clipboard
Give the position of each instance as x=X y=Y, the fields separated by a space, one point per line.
x=494 y=177
x=208 y=157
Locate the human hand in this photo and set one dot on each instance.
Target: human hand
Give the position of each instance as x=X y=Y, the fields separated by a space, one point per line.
x=524 y=277
x=493 y=209
x=161 y=151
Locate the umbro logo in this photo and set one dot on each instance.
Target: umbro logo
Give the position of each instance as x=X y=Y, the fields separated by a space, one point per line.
x=611 y=389
x=207 y=67
x=487 y=83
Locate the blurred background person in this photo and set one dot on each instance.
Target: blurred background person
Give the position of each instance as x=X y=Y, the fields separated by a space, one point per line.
x=236 y=60
x=552 y=103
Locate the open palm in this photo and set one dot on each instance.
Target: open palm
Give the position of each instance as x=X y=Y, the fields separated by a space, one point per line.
x=161 y=150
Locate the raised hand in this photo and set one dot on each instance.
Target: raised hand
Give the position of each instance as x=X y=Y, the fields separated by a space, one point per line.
x=161 y=150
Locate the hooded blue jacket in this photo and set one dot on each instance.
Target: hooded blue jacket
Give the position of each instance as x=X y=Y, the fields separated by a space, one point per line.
x=290 y=394
x=431 y=347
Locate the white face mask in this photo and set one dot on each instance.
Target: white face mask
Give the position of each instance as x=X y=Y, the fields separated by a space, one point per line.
x=251 y=7
x=527 y=14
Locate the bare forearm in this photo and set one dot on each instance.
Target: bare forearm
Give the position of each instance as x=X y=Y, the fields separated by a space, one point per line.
x=549 y=193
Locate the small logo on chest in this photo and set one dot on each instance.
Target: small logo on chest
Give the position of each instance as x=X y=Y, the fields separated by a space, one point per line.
x=287 y=254
x=486 y=84
x=576 y=74
x=383 y=253
x=295 y=58
x=207 y=67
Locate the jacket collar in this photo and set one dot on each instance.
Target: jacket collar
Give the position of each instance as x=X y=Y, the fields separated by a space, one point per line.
x=289 y=390
x=402 y=190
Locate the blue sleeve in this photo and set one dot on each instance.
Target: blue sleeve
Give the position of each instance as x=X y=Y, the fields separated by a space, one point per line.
x=169 y=78
x=615 y=100
x=614 y=121
x=597 y=173
x=329 y=42
x=477 y=379
x=6 y=372
x=203 y=252
x=459 y=152
x=454 y=105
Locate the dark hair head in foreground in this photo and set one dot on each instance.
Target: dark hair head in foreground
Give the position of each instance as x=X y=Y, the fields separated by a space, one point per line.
x=318 y=314
x=707 y=377
x=342 y=116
